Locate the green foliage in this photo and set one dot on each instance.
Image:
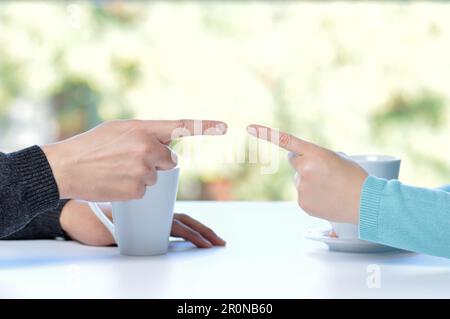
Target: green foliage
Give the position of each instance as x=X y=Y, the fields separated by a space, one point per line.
x=115 y=13
x=410 y=111
x=127 y=71
x=10 y=85
x=216 y=22
x=75 y=103
x=252 y=184
x=430 y=162
x=403 y=117
x=10 y=78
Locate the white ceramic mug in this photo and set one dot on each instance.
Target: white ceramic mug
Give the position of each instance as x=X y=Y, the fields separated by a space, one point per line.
x=382 y=166
x=142 y=227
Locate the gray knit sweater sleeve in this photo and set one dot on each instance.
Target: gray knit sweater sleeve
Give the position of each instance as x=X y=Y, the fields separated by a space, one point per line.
x=43 y=226
x=29 y=197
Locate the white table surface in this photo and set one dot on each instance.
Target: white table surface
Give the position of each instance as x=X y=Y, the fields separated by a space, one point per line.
x=267 y=256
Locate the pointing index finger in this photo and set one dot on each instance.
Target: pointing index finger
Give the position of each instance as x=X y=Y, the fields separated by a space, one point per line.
x=169 y=130
x=281 y=139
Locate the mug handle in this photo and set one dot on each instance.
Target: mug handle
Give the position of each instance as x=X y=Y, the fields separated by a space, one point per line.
x=102 y=217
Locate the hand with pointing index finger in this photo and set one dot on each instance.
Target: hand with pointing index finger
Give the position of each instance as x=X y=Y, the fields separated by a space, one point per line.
x=328 y=184
x=116 y=160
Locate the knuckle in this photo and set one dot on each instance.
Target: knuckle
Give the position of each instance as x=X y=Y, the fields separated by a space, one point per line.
x=307 y=207
x=141 y=192
x=304 y=206
x=181 y=124
x=181 y=129
x=307 y=170
x=154 y=178
x=143 y=148
x=137 y=190
x=323 y=154
x=137 y=129
x=300 y=204
x=196 y=234
x=175 y=222
x=171 y=164
x=141 y=170
x=146 y=147
x=165 y=155
x=130 y=125
x=208 y=125
x=285 y=139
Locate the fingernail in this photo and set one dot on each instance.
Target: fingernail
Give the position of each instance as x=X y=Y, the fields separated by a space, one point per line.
x=174 y=157
x=219 y=239
x=208 y=244
x=221 y=128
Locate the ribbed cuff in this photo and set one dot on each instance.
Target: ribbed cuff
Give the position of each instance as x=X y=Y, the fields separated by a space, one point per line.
x=41 y=190
x=369 y=207
x=52 y=221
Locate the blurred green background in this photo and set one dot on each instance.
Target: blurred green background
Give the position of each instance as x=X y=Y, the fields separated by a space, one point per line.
x=359 y=77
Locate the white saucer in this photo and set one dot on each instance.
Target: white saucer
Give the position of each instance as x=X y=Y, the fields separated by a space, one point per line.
x=346 y=245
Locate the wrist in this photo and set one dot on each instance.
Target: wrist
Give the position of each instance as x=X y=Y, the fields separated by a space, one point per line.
x=72 y=218
x=64 y=217
x=371 y=196
x=355 y=211
x=80 y=224
x=58 y=161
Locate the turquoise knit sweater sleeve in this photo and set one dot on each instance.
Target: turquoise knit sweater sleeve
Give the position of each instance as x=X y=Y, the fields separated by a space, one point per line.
x=407 y=217
x=445 y=188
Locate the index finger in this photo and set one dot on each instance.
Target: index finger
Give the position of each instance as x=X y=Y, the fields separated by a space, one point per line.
x=281 y=139
x=169 y=130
